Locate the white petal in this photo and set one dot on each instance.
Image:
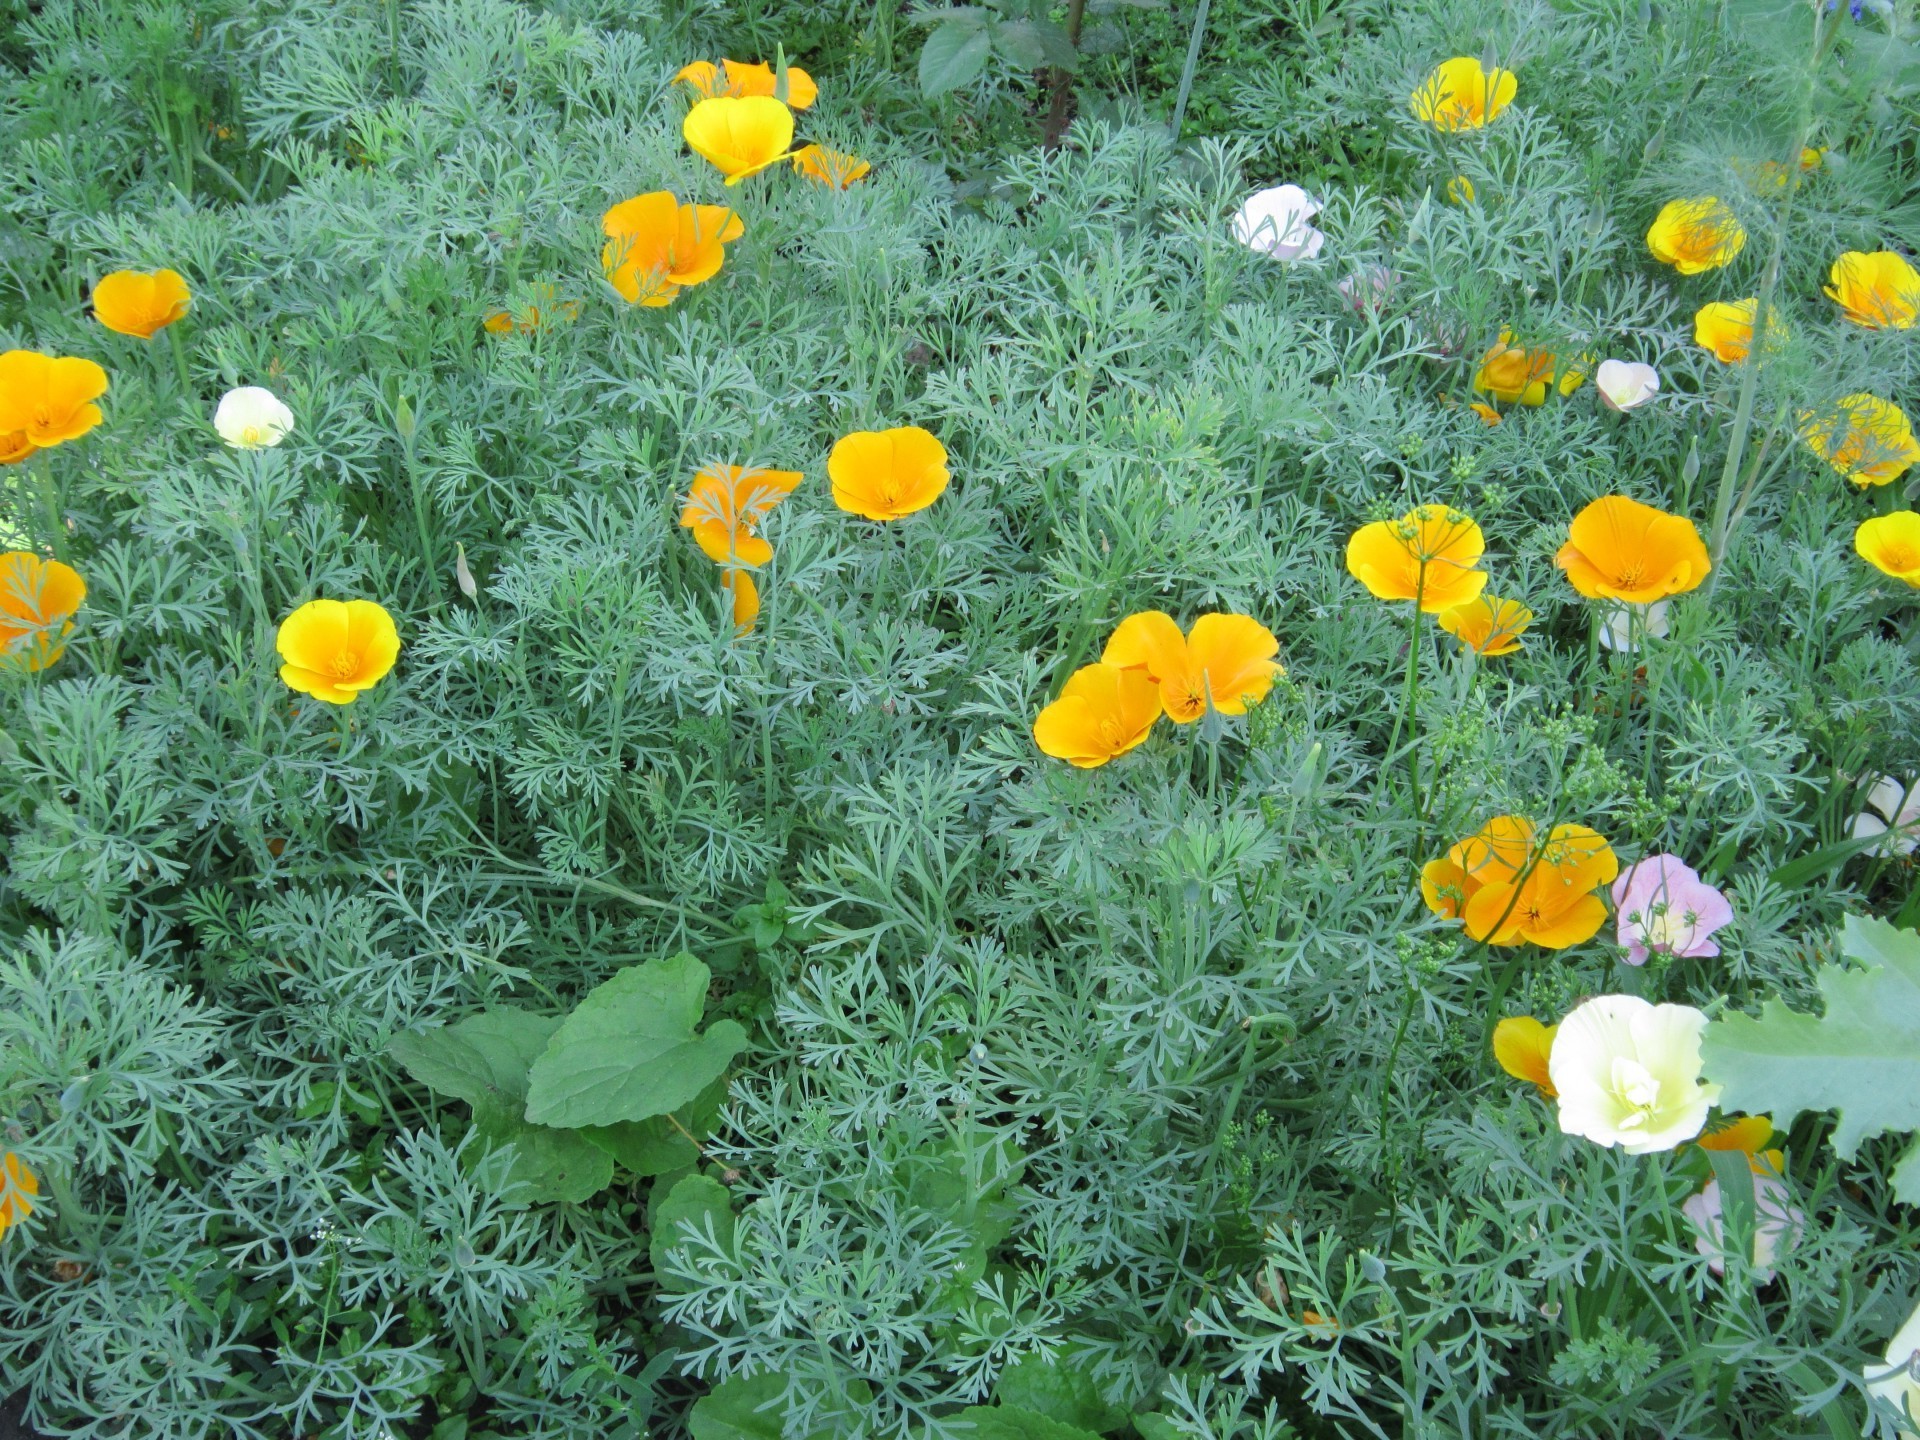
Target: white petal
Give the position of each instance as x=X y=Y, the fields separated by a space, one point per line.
x=1626 y=384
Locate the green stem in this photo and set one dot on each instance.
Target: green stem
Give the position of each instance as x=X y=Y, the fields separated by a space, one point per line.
x=178 y=344
x=1192 y=63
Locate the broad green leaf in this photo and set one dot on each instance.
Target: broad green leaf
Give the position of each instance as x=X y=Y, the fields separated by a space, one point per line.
x=557 y=1164
x=629 y=1050
x=653 y=1147
x=1011 y=1422
x=697 y=1201
x=743 y=1408
x=1861 y=1059
x=955 y=54
x=1031 y=44
x=1058 y=1390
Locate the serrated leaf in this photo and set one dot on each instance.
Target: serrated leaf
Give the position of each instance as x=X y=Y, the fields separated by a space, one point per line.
x=955 y=54
x=629 y=1051
x=1861 y=1059
x=1032 y=44
x=1011 y=1422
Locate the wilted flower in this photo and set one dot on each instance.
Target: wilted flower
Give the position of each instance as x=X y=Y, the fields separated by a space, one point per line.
x=1893 y=811
x=829 y=167
x=1427 y=556
x=725 y=507
x=1626 y=385
x=1865 y=438
x=1104 y=710
x=1726 y=328
x=252 y=418
x=1880 y=290
x=18 y=1186
x=1619 y=549
x=1695 y=235
x=738 y=79
x=740 y=137
x=1461 y=94
x=1511 y=373
x=335 y=649
x=1663 y=906
x=1368 y=290
x=746 y=599
x=1225 y=662
x=1276 y=222
x=1509 y=890
x=885 y=474
x=1898 y=1381
x=1486 y=625
x=656 y=247
x=1488 y=416
x=543 y=308
x=38 y=600
x=1777 y=1226
x=1522 y=1045
x=47 y=400
x=1628 y=1073
x=142 y=305
x=1891 y=544
x=1621 y=625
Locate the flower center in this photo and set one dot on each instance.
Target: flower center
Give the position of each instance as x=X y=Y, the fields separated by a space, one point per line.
x=42 y=416
x=1899 y=556
x=1110 y=735
x=345 y=665
x=1631 y=575
x=1666 y=927
x=1634 y=1084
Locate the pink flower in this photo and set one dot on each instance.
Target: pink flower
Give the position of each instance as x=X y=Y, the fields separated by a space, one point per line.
x=1776 y=1225
x=1663 y=905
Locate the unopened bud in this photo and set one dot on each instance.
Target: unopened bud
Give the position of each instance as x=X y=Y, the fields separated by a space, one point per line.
x=403 y=419
x=462 y=575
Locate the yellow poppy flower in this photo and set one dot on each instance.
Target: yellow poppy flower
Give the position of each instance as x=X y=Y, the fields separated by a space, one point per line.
x=1550 y=902
x=1487 y=626
x=739 y=79
x=1619 y=549
x=18 y=1186
x=1488 y=415
x=1511 y=373
x=1495 y=855
x=1891 y=544
x=1461 y=94
x=544 y=308
x=15 y=447
x=1224 y=661
x=1865 y=438
x=1878 y=291
x=38 y=600
x=47 y=399
x=885 y=474
x=1460 y=190
x=1747 y=1135
x=1103 y=711
x=335 y=649
x=740 y=137
x=133 y=303
x=656 y=247
x=1427 y=555
x=829 y=167
x=725 y=507
x=1696 y=235
x=1522 y=1044
x=1726 y=329
x=746 y=599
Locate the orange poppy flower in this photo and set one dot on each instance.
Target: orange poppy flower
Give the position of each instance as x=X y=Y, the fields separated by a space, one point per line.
x=829 y=167
x=746 y=599
x=656 y=246
x=1462 y=94
x=740 y=137
x=1488 y=415
x=335 y=649
x=1747 y=1135
x=1552 y=903
x=133 y=303
x=38 y=600
x=1695 y=235
x=739 y=79
x=1496 y=855
x=1427 y=556
x=18 y=1186
x=1486 y=625
x=1726 y=328
x=1865 y=438
x=1511 y=373
x=1879 y=291
x=725 y=507
x=543 y=309
x=1521 y=1045
x=1619 y=549
x=1891 y=544
x=1103 y=711
x=885 y=474
x=1224 y=662
x=15 y=447
x=49 y=399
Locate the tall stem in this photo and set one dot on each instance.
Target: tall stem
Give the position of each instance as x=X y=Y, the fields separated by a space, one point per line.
x=1061 y=81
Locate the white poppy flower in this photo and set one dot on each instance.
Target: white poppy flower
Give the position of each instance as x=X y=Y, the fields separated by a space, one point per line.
x=1891 y=806
x=1896 y=1382
x=1625 y=385
x=252 y=418
x=1618 y=625
x=1276 y=222
x=1628 y=1073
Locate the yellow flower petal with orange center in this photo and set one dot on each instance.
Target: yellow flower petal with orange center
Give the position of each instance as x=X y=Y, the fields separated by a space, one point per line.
x=18 y=1187
x=38 y=600
x=1427 y=555
x=1619 y=549
x=335 y=649
x=1104 y=710
x=739 y=137
x=885 y=474
x=832 y=168
x=15 y=447
x=656 y=246
x=1551 y=902
x=1495 y=855
x=739 y=79
x=1726 y=328
x=1488 y=625
x=1224 y=663
x=725 y=507
x=1695 y=235
x=1521 y=1045
x=1878 y=291
x=133 y=303
x=1891 y=544
x=1461 y=94
x=1865 y=438
x=49 y=399
x=1513 y=374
